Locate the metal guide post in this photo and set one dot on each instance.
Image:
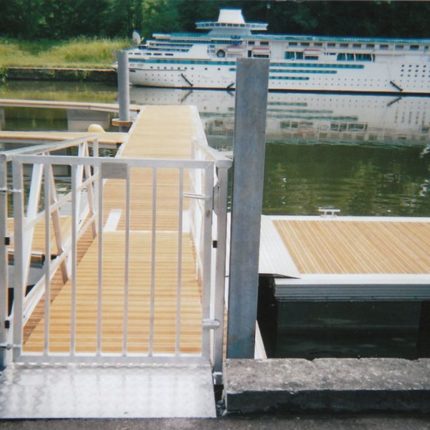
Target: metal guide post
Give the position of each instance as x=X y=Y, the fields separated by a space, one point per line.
x=249 y=152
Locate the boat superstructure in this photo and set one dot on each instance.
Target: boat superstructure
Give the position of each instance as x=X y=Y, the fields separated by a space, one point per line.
x=297 y=62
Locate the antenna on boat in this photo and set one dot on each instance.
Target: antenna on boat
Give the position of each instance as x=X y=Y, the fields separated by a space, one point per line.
x=136 y=37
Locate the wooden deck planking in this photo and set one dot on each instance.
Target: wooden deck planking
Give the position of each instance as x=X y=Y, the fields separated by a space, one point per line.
x=160 y=132
x=357 y=247
x=166 y=282
x=39 y=234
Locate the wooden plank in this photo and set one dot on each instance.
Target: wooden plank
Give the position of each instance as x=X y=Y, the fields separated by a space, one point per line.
x=39 y=234
x=333 y=246
x=139 y=297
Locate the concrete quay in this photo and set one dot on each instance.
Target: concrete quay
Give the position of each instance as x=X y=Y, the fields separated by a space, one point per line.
x=327 y=385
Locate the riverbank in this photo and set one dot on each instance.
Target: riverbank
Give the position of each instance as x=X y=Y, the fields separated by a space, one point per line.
x=107 y=75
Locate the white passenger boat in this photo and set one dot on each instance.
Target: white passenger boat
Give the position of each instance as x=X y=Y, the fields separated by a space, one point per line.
x=297 y=62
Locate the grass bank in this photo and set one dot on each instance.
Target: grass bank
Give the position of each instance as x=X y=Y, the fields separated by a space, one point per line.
x=81 y=52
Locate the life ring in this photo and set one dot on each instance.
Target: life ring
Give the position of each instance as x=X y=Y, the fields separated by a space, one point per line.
x=220 y=53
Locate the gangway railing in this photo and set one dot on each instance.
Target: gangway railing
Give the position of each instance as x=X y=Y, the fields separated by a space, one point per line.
x=201 y=197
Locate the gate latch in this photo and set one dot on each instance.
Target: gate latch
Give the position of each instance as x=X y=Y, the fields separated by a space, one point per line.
x=209 y=324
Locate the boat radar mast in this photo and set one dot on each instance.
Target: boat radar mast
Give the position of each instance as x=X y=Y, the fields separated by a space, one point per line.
x=231 y=21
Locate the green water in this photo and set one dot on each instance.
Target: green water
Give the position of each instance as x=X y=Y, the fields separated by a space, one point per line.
x=365 y=155
x=358 y=180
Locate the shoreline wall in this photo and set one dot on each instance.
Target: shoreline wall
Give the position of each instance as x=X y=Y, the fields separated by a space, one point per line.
x=57 y=74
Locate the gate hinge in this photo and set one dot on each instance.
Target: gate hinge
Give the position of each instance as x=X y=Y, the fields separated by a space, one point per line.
x=209 y=324
x=216 y=191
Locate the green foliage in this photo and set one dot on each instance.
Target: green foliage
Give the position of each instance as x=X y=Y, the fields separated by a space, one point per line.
x=80 y=52
x=64 y=19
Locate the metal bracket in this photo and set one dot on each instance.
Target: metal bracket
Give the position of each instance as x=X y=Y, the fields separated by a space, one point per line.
x=8 y=346
x=196 y=196
x=209 y=324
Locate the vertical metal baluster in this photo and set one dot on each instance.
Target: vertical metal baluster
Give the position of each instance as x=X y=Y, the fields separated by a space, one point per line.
x=19 y=287
x=100 y=263
x=47 y=297
x=179 y=267
x=153 y=250
x=75 y=221
x=221 y=212
x=4 y=278
x=207 y=251
x=126 y=267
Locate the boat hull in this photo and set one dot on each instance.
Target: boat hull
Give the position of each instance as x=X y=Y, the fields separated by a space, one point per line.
x=382 y=77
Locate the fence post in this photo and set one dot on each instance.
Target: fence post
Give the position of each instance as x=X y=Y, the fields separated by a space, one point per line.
x=4 y=267
x=221 y=217
x=123 y=88
x=249 y=152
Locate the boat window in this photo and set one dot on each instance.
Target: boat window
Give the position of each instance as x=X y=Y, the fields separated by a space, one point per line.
x=350 y=57
x=331 y=45
x=341 y=57
x=356 y=45
x=399 y=46
x=299 y=55
x=290 y=55
x=311 y=57
x=251 y=42
x=384 y=46
x=264 y=43
x=318 y=44
x=293 y=43
x=414 y=47
x=363 y=57
x=370 y=45
x=305 y=44
x=343 y=45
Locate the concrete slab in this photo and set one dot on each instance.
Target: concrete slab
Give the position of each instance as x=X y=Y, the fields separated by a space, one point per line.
x=329 y=385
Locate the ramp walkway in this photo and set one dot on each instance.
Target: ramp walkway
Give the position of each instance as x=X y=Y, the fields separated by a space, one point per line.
x=134 y=293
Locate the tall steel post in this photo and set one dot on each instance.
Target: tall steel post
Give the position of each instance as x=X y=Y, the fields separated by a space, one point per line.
x=249 y=151
x=123 y=87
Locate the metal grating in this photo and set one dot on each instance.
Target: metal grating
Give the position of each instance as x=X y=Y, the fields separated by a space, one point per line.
x=89 y=391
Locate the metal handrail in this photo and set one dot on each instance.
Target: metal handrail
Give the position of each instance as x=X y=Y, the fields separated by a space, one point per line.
x=46 y=147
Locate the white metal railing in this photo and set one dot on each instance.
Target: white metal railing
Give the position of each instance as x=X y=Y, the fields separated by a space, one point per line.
x=32 y=216
x=207 y=177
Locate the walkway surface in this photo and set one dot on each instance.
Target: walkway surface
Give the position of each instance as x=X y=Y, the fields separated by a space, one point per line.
x=119 y=390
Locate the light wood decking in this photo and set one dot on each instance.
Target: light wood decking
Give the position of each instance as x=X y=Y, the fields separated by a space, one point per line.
x=357 y=247
x=159 y=132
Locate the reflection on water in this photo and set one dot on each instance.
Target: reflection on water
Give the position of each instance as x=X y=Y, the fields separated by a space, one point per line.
x=366 y=155
x=45 y=119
